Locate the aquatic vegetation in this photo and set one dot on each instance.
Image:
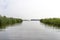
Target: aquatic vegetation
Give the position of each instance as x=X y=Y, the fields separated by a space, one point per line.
x=4 y=21
x=51 y=21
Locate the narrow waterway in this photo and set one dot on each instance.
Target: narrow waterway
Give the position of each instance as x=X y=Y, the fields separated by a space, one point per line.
x=30 y=30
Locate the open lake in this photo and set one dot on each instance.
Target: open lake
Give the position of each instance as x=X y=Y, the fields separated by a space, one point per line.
x=30 y=30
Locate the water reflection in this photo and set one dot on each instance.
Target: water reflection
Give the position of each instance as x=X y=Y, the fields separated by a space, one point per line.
x=52 y=26
x=30 y=30
x=11 y=25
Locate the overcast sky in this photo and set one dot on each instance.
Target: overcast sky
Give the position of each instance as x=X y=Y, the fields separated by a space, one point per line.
x=27 y=9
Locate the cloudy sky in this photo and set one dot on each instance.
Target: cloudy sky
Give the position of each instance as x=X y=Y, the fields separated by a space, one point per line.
x=27 y=9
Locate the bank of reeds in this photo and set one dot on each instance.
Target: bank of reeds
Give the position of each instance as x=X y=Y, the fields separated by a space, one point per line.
x=4 y=21
x=51 y=21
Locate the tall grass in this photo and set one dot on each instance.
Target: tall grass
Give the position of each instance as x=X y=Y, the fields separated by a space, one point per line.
x=51 y=21
x=4 y=21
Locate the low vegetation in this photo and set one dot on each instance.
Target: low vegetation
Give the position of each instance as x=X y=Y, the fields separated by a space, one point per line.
x=4 y=21
x=51 y=21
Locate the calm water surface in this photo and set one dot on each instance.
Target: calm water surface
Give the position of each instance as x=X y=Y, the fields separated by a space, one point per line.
x=30 y=30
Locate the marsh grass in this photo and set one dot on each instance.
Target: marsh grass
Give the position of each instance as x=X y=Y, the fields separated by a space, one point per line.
x=51 y=21
x=4 y=21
